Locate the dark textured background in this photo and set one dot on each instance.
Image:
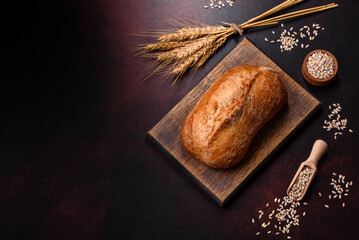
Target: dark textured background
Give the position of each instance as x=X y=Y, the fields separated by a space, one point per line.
x=75 y=163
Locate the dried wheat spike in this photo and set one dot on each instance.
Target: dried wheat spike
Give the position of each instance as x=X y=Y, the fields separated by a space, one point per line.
x=162 y=46
x=199 y=58
x=188 y=33
x=181 y=67
x=186 y=50
x=220 y=41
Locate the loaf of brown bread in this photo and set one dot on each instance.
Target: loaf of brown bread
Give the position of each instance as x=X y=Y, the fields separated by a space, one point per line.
x=222 y=125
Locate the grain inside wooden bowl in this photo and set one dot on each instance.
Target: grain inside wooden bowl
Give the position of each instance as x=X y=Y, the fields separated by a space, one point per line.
x=317 y=81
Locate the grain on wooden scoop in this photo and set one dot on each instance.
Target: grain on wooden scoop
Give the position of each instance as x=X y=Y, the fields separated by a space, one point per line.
x=299 y=186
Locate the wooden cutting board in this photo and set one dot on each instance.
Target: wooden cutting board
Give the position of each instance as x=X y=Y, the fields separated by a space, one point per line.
x=222 y=184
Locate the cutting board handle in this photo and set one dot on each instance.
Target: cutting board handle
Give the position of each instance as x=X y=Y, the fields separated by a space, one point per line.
x=319 y=148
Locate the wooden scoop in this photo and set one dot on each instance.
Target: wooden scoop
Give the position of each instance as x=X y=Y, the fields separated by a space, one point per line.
x=307 y=171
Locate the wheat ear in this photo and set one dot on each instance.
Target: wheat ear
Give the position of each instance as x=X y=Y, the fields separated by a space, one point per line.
x=197 y=59
x=219 y=42
x=188 y=33
x=162 y=46
x=186 y=50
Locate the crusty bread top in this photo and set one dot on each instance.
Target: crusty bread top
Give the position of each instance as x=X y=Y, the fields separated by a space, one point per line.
x=216 y=131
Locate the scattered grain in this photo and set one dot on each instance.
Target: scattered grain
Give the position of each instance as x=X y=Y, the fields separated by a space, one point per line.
x=336 y=121
x=214 y=4
x=338 y=184
x=285 y=213
x=288 y=38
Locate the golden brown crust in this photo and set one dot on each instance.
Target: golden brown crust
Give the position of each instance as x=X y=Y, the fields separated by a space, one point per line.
x=224 y=122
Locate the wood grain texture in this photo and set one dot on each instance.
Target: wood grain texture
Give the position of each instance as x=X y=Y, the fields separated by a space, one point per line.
x=222 y=184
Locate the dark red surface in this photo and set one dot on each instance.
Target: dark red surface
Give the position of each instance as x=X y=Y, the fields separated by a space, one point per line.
x=75 y=163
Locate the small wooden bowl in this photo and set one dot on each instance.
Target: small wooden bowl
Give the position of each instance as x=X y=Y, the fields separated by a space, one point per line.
x=316 y=81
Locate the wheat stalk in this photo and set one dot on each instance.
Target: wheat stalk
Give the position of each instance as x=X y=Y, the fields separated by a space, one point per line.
x=162 y=46
x=219 y=42
x=186 y=63
x=190 y=47
x=187 y=50
x=198 y=59
x=189 y=33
